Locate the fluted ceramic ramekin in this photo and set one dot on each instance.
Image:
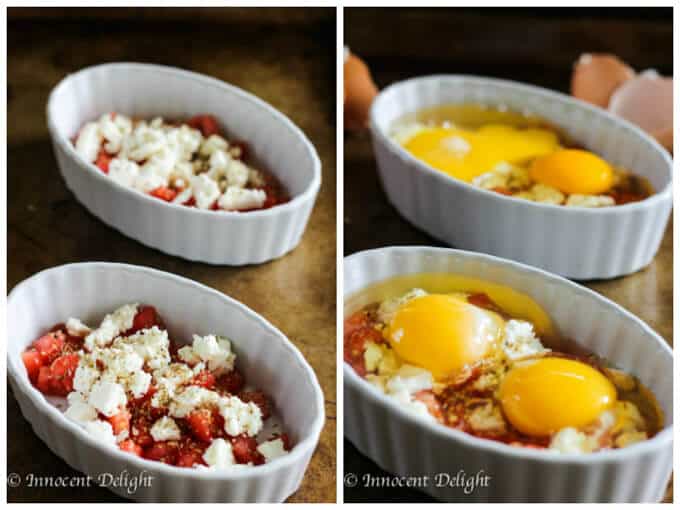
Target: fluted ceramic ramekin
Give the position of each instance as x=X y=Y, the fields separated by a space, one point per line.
x=144 y=90
x=577 y=243
x=264 y=355
x=408 y=446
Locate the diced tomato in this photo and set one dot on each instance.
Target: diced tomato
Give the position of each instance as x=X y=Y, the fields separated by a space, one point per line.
x=163 y=451
x=244 y=449
x=502 y=190
x=206 y=124
x=62 y=371
x=50 y=346
x=204 y=378
x=128 y=445
x=164 y=193
x=231 y=382
x=120 y=422
x=32 y=361
x=44 y=378
x=201 y=424
x=259 y=399
x=103 y=160
x=144 y=415
x=356 y=321
x=189 y=459
x=146 y=317
x=190 y=203
x=355 y=345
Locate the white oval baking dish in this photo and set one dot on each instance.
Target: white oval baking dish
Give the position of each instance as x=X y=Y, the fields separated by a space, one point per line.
x=146 y=91
x=407 y=446
x=264 y=355
x=577 y=243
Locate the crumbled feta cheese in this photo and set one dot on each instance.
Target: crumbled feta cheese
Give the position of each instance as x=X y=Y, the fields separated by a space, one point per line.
x=487 y=419
x=219 y=454
x=542 y=193
x=577 y=200
x=107 y=397
x=505 y=176
x=79 y=410
x=410 y=379
x=240 y=417
x=212 y=144
x=88 y=142
x=520 y=341
x=85 y=376
x=165 y=429
x=188 y=355
x=205 y=191
x=101 y=430
x=215 y=351
x=139 y=383
x=191 y=398
x=239 y=199
x=570 y=440
x=76 y=328
x=113 y=325
x=150 y=344
x=184 y=196
x=272 y=449
x=114 y=128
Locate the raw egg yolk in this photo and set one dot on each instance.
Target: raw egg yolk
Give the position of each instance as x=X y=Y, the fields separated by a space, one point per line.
x=465 y=154
x=442 y=333
x=573 y=171
x=541 y=397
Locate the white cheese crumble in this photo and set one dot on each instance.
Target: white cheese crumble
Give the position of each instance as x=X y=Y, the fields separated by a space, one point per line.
x=271 y=450
x=577 y=200
x=219 y=454
x=75 y=327
x=101 y=430
x=113 y=325
x=519 y=340
x=149 y=155
x=165 y=429
x=107 y=397
x=240 y=417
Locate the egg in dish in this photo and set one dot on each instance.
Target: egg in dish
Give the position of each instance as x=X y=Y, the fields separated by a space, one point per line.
x=515 y=154
x=473 y=356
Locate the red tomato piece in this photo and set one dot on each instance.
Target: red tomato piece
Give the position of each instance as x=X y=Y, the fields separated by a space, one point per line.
x=206 y=124
x=44 y=378
x=32 y=361
x=62 y=371
x=244 y=449
x=103 y=160
x=201 y=424
x=189 y=459
x=259 y=399
x=120 y=422
x=231 y=382
x=204 y=378
x=128 y=445
x=164 y=193
x=146 y=318
x=163 y=451
x=482 y=300
x=50 y=346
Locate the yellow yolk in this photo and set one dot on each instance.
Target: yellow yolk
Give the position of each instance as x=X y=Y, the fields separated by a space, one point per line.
x=573 y=171
x=541 y=397
x=466 y=154
x=442 y=333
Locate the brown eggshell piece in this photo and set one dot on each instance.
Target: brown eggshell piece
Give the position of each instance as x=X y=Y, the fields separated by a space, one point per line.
x=596 y=76
x=359 y=92
x=647 y=100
